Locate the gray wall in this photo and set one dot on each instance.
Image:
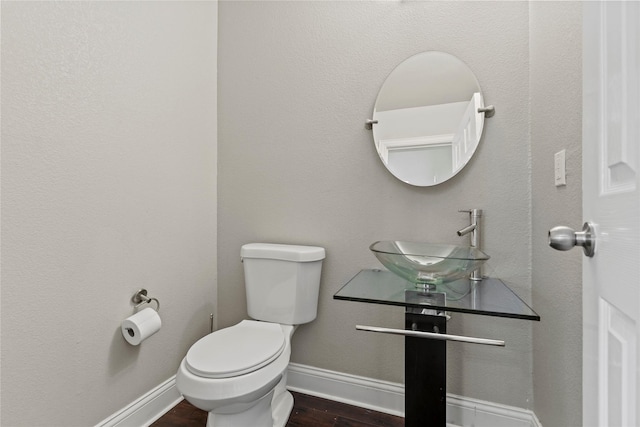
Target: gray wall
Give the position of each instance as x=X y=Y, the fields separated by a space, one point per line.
x=556 y=120
x=108 y=185
x=296 y=82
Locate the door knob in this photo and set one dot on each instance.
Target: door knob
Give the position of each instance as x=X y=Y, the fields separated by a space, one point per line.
x=564 y=238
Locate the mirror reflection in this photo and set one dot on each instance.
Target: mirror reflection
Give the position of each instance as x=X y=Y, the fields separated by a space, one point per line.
x=426 y=120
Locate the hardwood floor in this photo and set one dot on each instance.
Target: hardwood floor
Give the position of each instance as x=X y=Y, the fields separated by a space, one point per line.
x=308 y=411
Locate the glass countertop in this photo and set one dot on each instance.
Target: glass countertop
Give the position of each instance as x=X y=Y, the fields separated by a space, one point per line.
x=490 y=297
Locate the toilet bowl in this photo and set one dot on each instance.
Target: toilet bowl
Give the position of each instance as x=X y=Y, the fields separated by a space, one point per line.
x=236 y=385
x=239 y=374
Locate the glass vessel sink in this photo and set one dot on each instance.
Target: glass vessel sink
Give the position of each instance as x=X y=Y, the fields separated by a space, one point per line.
x=427 y=264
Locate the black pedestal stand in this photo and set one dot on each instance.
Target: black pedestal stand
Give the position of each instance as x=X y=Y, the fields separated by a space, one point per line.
x=425 y=373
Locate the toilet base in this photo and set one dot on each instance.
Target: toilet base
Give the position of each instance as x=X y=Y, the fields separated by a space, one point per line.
x=269 y=411
x=259 y=415
x=282 y=407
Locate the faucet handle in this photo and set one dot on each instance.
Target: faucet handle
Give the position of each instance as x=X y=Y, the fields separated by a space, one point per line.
x=476 y=212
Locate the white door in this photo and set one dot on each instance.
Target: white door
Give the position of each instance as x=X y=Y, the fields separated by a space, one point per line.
x=611 y=200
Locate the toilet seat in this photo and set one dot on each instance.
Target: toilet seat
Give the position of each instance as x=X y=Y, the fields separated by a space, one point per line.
x=237 y=350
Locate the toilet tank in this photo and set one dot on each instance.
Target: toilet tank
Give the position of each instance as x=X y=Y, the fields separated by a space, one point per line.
x=282 y=281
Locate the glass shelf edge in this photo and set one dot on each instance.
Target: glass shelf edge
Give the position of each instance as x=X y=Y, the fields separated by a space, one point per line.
x=396 y=286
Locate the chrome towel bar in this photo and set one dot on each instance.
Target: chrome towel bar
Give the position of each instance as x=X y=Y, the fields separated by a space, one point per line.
x=431 y=335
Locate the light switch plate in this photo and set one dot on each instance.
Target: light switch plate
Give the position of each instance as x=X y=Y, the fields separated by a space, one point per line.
x=560 y=168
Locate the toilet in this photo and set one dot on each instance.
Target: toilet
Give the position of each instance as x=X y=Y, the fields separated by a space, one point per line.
x=239 y=374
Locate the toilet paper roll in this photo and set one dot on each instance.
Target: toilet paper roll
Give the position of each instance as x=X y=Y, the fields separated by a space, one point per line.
x=141 y=326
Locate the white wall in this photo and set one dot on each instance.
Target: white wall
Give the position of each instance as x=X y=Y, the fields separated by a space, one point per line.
x=108 y=185
x=297 y=81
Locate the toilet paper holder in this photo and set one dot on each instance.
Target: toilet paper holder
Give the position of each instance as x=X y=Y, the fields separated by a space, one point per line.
x=141 y=297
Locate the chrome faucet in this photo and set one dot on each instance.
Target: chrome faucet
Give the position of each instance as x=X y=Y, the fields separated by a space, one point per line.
x=474 y=229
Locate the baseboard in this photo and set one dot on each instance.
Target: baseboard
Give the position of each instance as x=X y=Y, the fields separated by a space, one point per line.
x=381 y=396
x=146 y=409
x=377 y=395
x=388 y=397
x=465 y=411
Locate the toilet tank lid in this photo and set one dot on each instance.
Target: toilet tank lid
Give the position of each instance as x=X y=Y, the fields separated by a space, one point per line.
x=295 y=253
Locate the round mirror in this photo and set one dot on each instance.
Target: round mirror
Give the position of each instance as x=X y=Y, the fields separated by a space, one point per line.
x=426 y=123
